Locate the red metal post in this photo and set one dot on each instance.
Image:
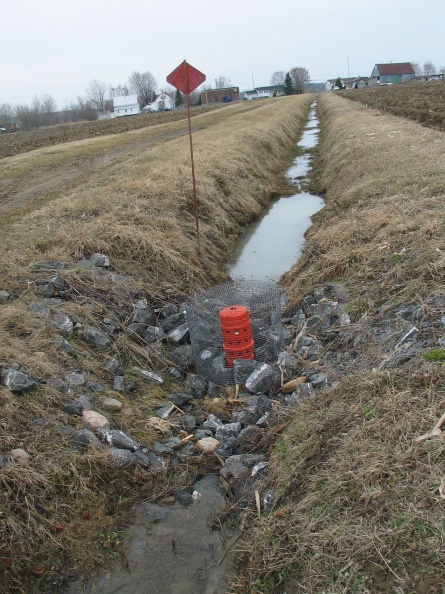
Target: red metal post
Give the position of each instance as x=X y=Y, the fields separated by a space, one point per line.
x=195 y=199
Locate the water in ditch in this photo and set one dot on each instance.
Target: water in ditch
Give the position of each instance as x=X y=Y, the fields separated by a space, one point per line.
x=173 y=549
x=273 y=244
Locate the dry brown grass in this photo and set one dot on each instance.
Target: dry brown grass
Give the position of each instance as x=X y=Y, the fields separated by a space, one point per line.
x=139 y=212
x=358 y=505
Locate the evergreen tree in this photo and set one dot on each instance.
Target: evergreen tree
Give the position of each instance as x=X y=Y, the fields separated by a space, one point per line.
x=339 y=83
x=179 y=99
x=288 y=85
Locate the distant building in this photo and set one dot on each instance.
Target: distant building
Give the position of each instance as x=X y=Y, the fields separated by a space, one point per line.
x=225 y=95
x=393 y=73
x=263 y=92
x=162 y=103
x=125 y=106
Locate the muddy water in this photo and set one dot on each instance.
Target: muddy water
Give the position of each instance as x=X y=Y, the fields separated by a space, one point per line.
x=272 y=245
x=172 y=549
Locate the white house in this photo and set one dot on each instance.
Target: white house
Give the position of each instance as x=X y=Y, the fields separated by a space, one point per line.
x=162 y=103
x=262 y=92
x=125 y=106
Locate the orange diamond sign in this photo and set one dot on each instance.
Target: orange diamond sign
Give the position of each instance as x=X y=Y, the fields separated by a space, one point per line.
x=186 y=78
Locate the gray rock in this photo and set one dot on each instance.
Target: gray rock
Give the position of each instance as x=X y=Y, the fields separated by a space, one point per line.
x=163 y=412
x=214 y=390
x=306 y=304
x=442 y=322
x=112 y=405
x=118 y=383
x=94 y=387
x=234 y=470
x=122 y=459
x=167 y=446
x=40 y=308
x=263 y=379
x=212 y=423
x=144 y=316
x=188 y=422
x=85 y=264
x=318 y=294
x=100 y=260
x=63 y=324
x=318 y=380
x=83 y=439
x=183 y=495
x=227 y=430
x=175 y=373
x=118 y=439
x=298 y=320
x=114 y=367
x=180 y=400
x=150 y=512
x=202 y=433
x=51 y=265
x=242 y=369
x=247 y=416
x=4 y=296
x=269 y=419
x=314 y=324
x=168 y=310
x=136 y=331
x=61 y=386
x=148 y=376
x=151 y=462
x=75 y=379
x=152 y=334
x=183 y=357
x=64 y=345
x=2 y=461
x=173 y=321
x=195 y=385
x=79 y=405
x=96 y=338
x=18 y=382
x=314 y=351
x=227 y=447
x=179 y=334
x=262 y=402
x=140 y=304
x=249 y=438
x=48 y=291
x=303 y=392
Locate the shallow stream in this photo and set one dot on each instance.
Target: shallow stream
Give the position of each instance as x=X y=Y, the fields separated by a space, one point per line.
x=172 y=549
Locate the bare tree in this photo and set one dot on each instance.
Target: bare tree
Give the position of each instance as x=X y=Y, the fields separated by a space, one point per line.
x=96 y=92
x=222 y=82
x=7 y=113
x=429 y=68
x=278 y=77
x=301 y=79
x=144 y=85
x=118 y=91
x=48 y=110
x=442 y=70
x=417 y=68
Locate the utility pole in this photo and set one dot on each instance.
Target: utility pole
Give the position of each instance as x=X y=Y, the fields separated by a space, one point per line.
x=216 y=83
x=253 y=82
x=347 y=57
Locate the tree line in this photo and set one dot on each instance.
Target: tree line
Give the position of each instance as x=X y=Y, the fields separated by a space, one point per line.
x=98 y=97
x=296 y=81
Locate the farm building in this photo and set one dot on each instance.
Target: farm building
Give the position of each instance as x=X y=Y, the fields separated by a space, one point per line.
x=125 y=106
x=262 y=92
x=162 y=103
x=225 y=95
x=393 y=73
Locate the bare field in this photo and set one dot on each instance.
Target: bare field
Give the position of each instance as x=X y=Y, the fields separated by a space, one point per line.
x=423 y=102
x=20 y=142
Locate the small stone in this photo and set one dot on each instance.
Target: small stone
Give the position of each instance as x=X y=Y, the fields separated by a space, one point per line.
x=195 y=385
x=183 y=495
x=96 y=338
x=148 y=376
x=94 y=387
x=172 y=322
x=17 y=381
x=152 y=334
x=19 y=455
x=144 y=316
x=214 y=390
x=318 y=380
x=112 y=404
x=227 y=430
x=167 y=446
x=183 y=357
x=242 y=369
x=212 y=423
x=180 y=399
x=207 y=444
x=75 y=379
x=2 y=461
x=64 y=345
x=40 y=308
x=118 y=383
x=4 y=296
x=122 y=459
x=318 y=295
x=100 y=260
x=117 y=439
x=61 y=386
x=298 y=320
x=227 y=448
x=94 y=420
x=188 y=422
x=114 y=367
x=79 y=405
x=247 y=416
x=175 y=373
x=201 y=433
x=151 y=462
x=164 y=411
x=263 y=379
x=345 y=319
x=179 y=334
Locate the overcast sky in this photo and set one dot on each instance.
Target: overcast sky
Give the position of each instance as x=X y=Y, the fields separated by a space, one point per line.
x=58 y=47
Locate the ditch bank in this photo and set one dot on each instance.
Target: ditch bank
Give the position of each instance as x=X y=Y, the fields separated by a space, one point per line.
x=358 y=473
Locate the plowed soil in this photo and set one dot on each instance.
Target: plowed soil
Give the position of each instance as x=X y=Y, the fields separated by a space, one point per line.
x=423 y=102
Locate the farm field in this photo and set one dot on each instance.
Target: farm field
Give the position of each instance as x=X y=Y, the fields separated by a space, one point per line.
x=422 y=102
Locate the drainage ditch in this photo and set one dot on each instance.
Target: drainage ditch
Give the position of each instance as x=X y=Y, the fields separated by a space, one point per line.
x=172 y=549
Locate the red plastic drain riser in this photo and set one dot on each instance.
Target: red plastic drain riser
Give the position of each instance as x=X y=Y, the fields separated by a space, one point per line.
x=237 y=333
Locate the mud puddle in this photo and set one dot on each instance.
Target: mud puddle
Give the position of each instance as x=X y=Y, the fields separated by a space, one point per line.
x=272 y=245
x=171 y=549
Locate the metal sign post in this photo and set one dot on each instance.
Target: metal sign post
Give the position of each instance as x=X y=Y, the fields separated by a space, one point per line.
x=186 y=79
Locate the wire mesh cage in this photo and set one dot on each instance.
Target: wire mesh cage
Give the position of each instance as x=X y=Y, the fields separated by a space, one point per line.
x=263 y=302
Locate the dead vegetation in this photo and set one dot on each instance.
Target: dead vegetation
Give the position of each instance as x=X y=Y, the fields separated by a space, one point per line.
x=60 y=512
x=360 y=502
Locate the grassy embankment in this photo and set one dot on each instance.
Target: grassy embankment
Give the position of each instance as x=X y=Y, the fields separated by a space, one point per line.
x=360 y=504
x=60 y=510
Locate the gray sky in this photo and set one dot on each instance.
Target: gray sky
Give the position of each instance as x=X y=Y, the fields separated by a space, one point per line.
x=58 y=47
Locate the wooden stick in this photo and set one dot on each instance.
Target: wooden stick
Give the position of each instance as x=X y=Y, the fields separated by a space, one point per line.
x=258 y=502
